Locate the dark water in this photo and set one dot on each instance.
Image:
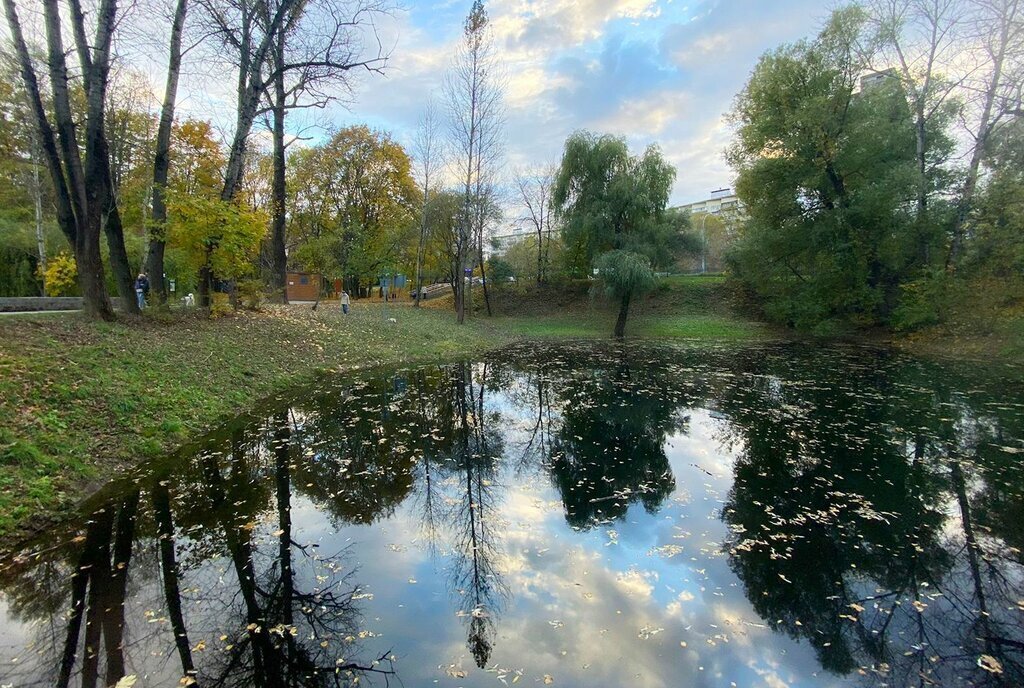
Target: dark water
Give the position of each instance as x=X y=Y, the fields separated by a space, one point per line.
x=577 y=515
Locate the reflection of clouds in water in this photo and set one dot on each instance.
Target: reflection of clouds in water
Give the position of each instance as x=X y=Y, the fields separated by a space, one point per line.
x=578 y=610
x=633 y=591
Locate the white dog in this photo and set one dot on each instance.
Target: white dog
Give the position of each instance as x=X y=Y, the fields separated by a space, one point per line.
x=189 y=300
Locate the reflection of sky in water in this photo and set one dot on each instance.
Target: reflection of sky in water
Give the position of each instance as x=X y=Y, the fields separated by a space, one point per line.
x=608 y=606
x=645 y=599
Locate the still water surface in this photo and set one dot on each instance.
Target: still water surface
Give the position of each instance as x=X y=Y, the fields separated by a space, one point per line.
x=570 y=515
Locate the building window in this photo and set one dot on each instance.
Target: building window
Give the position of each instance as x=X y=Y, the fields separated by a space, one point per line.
x=304 y=279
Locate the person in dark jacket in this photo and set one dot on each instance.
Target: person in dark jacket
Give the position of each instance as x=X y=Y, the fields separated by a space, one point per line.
x=141 y=289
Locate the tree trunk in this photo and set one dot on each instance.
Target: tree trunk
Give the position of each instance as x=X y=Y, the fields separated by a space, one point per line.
x=540 y=253
x=170 y=572
x=421 y=247
x=620 y=322
x=483 y=275
x=920 y=135
x=161 y=159
x=278 y=255
x=118 y=257
x=459 y=291
x=91 y=282
x=76 y=193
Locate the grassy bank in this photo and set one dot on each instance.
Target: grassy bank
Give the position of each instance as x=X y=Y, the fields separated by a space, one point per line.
x=691 y=307
x=81 y=400
x=981 y=320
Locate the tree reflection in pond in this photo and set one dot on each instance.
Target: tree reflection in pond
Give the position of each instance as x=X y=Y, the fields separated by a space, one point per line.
x=852 y=527
x=870 y=515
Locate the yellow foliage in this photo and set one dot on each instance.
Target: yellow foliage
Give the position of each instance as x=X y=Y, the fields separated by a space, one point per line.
x=220 y=305
x=61 y=275
x=222 y=236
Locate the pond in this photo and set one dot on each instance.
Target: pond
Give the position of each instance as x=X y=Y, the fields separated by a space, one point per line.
x=581 y=514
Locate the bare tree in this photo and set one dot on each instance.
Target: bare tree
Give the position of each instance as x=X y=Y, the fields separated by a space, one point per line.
x=310 y=61
x=473 y=96
x=287 y=51
x=485 y=198
x=82 y=190
x=994 y=91
x=923 y=38
x=428 y=153
x=534 y=190
x=161 y=156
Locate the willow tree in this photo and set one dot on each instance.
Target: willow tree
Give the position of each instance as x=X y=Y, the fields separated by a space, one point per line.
x=611 y=202
x=625 y=275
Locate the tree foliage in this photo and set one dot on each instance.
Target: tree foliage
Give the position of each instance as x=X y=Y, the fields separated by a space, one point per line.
x=826 y=171
x=608 y=199
x=612 y=206
x=355 y=196
x=219 y=236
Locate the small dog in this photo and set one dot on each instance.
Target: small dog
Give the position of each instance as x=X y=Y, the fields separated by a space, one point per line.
x=189 y=300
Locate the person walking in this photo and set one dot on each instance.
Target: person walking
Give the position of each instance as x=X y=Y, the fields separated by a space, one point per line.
x=345 y=301
x=141 y=289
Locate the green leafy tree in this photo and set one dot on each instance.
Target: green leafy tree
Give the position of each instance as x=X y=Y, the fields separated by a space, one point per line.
x=612 y=206
x=609 y=199
x=216 y=237
x=827 y=173
x=522 y=258
x=998 y=220
x=356 y=193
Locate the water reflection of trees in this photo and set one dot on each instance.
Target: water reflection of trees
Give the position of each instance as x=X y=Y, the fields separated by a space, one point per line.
x=609 y=450
x=862 y=521
x=873 y=514
x=240 y=601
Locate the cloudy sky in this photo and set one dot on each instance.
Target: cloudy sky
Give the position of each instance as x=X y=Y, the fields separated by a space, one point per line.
x=662 y=71
x=652 y=70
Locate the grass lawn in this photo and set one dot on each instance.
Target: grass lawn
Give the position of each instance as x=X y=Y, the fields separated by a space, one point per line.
x=81 y=400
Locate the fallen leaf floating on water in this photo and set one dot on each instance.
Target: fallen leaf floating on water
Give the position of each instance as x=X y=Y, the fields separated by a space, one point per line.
x=990 y=664
x=648 y=631
x=548 y=679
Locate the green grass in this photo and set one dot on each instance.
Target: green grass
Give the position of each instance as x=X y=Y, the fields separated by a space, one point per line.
x=80 y=401
x=710 y=327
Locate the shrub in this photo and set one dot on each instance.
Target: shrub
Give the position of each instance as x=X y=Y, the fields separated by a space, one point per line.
x=61 y=276
x=251 y=294
x=220 y=305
